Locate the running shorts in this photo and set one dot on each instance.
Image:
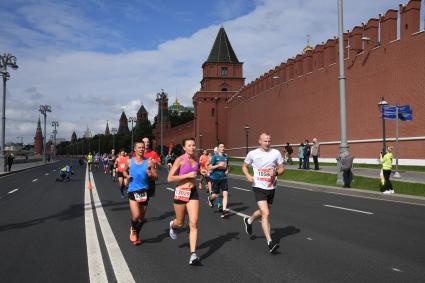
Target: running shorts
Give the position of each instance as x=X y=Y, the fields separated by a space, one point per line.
x=261 y=195
x=219 y=186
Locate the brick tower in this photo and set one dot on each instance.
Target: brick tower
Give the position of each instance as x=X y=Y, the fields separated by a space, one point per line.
x=38 y=139
x=123 y=128
x=142 y=115
x=222 y=78
x=107 y=132
x=73 y=137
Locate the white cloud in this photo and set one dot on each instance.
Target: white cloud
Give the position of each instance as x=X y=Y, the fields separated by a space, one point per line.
x=88 y=88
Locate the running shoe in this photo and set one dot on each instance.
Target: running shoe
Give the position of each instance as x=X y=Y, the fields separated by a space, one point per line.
x=273 y=246
x=387 y=192
x=134 y=238
x=225 y=214
x=194 y=259
x=210 y=201
x=173 y=234
x=392 y=191
x=248 y=227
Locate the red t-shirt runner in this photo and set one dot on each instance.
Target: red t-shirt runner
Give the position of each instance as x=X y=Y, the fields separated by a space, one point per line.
x=152 y=155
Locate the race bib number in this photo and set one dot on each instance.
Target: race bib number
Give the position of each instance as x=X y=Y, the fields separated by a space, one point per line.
x=140 y=196
x=182 y=194
x=264 y=174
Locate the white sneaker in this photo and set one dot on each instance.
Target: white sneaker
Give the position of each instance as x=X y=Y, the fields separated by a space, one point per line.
x=173 y=234
x=392 y=191
x=387 y=192
x=194 y=259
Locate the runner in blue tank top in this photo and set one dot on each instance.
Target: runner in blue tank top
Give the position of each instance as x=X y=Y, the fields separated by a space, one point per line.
x=139 y=171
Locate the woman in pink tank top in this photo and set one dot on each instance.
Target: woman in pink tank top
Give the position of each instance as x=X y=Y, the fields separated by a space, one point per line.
x=184 y=172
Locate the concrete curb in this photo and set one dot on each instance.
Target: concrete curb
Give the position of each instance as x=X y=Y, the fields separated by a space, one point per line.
x=4 y=174
x=408 y=199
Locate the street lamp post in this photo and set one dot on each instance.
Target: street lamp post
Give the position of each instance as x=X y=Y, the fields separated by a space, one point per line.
x=160 y=98
x=246 y=135
x=132 y=120
x=5 y=61
x=55 y=124
x=43 y=110
x=381 y=104
x=114 y=132
x=342 y=78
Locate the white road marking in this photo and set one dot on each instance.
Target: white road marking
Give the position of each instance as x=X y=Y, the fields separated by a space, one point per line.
x=119 y=265
x=97 y=272
x=35 y=180
x=54 y=170
x=170 y=189
x=310 y=239
x=12 y=191
x=46 y=174
x=349 y=209
x=396 y=269
x=238 y=213
x=242 y=189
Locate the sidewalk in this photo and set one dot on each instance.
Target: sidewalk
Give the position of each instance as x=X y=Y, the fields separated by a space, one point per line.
x=406 y=176
x=25 y=166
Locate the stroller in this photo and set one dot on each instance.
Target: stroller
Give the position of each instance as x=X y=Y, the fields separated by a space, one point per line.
x=65 y=174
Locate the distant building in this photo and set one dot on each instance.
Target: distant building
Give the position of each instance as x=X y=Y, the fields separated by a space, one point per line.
x=123 y=128
x=142 y=115
x=74 y=137
x=38 y=139
x=178 y=108
x=87 y=133
x=107 y=132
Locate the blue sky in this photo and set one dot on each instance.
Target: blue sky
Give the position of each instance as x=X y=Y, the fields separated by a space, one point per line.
x=91 y=59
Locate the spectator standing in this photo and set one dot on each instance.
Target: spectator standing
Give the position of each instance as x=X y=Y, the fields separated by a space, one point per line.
x=387 y=164
x=301 y=154
x=289 y=150
x=315 y=152
x=10 y=159
x=307 y=153
x=346 y=165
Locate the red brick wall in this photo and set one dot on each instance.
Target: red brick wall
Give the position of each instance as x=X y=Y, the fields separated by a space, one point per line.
x=306 y=105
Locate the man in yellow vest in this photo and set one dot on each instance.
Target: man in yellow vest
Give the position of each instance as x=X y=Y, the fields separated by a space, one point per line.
x=387 y=165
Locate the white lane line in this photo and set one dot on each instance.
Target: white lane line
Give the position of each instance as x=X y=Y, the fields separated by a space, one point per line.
x=12 y=191
x=46 y=174
x=396 y=269
x=310 y=239
x=238 y=213
x=97 y=272
x=170 y=189
x=119 y=265
x=242 y=189
x=35 y=180
x=349 y=209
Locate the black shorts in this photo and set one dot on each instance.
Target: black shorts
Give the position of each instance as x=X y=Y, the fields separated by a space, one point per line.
x=261 y=194
x=120 y=174
x=152 y=188
x=193 y=195
x=219 y=185
x=111 y=166
x=131 y=196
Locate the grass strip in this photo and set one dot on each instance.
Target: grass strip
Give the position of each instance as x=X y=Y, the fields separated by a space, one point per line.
x=401 y=168
x=329 y=179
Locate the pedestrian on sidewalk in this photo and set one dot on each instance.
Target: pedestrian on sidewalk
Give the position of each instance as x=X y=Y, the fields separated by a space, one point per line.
x=301 y=154
x=387 y=165
x=10 y=159
x=289 y=151
x=346 y=165
x=307 y=153
x=315 y=152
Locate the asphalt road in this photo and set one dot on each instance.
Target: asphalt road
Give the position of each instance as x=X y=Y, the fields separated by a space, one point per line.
x=52 y=231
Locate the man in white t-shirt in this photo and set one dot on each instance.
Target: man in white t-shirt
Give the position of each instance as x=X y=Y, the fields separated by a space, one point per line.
x=267 y=164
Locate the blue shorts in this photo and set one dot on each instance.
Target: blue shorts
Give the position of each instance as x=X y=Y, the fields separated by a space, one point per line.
x=219 y=186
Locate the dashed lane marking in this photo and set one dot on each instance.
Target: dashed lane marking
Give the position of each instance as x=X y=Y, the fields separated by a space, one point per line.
x=310 y=239
x=46 y=174
x=242 y=189
x=12 y=191
x=35 y=180
x=238 y=213
x=348 y=209
x=396 y=269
